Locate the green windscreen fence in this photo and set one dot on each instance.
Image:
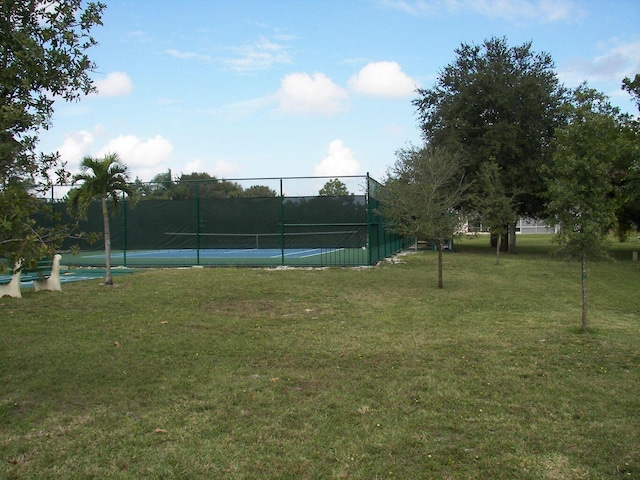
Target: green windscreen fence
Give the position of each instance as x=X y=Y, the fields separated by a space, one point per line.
x=302 y=230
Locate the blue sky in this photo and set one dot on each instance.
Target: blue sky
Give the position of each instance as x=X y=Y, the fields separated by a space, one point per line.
x=281 y=88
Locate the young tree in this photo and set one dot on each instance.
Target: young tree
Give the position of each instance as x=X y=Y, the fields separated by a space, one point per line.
x=496 y=209
x=497 y=102
x=581 y=192
x=334 y=188
x=43 y=57
x=422 y=194
x=161 y=186
x=102 y=180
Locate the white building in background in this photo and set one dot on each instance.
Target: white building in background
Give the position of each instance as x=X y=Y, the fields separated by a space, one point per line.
x=524 y=225
x=530 y=225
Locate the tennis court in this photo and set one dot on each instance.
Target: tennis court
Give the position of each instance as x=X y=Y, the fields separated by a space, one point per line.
x=222 y=256
x=197 y=229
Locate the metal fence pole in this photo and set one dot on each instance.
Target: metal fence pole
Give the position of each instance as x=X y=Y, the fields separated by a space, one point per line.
x=124 y=230
x=369 y=252
x=197 y=223
x=282 y=245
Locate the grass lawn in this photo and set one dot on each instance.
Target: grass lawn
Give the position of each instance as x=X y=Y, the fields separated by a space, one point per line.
x=363 y=373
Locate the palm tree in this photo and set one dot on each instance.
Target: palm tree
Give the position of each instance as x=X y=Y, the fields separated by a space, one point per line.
x=104 y=179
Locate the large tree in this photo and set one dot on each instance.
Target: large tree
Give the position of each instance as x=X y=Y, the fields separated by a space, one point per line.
x=497 y=102
x=421 y=196
x=43 y=58
x=633 y=88
x=204 y=185
x=627 y=176
x=582 y=194
x=103 y=180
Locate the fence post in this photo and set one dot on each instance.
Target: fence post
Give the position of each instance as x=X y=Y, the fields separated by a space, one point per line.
x=124 y=230
x=282 y=245
x=369 y=250
x=197 y=222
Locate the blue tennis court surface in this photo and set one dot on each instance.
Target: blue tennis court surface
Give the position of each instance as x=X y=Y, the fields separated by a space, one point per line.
x=312 y=256
x=219 y=253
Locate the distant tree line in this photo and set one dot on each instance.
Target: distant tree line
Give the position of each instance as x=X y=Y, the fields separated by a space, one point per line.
x=186 y=186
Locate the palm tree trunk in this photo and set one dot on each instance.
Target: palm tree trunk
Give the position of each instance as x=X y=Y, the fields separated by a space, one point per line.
x=107 y=242
x=584 y=294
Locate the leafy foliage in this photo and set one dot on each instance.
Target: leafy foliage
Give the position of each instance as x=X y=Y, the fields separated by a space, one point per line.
x=581 y=191
x=104 y=180
x=21 y=234
x=422 y=194
x=43 y=58
x=498 y=102
x=496 y=209
x=334 y=188
x=633 y=87
x=583 y=198
x=202 y=185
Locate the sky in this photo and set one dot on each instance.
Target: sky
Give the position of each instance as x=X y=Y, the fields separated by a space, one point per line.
x=294 y=88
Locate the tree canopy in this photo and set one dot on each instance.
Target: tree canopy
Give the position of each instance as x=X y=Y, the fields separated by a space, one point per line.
x=334 y=188
x=43 y=58
x=633 y=88
x=497 y=102
x=422 y=194
x=104 y=180
x=186 y=186
x=494 y=207
x=582 y=195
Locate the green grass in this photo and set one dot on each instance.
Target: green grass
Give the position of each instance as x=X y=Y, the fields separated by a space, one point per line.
x=334 y=373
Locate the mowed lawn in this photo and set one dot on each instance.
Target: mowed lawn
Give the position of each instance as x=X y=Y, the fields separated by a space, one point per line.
x=357 y=373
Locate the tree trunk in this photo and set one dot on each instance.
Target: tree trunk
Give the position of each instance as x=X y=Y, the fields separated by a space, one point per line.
x=107 y=242
x=493 y=241
x=499 y=244
x=512 y=237
x=439 y=247
x=584 y=294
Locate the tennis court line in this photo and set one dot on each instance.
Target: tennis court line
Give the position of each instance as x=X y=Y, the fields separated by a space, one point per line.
x=216 y=253
x=314 y=252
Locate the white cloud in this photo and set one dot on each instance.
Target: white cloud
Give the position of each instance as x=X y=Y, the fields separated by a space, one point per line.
x=383 y=79
x=220 y=169
x=412 y=7
x=259 y=55
x=76 y=145
x=243 y=109
x=187 y=55
x=340 y=160
x=512 y=10
x=224 y=169
x=145 y=158
x=115 y=84
x=302 y=93
x=195 y=166
x=618 y=61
